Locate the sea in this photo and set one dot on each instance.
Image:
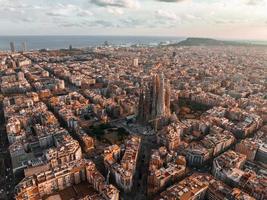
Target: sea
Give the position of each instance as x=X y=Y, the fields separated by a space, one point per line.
x=63 y=42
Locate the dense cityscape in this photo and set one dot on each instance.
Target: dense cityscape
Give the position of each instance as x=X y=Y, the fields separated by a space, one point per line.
x=165 y=122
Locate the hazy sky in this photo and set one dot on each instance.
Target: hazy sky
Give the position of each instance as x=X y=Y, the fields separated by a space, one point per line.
x=244 y=19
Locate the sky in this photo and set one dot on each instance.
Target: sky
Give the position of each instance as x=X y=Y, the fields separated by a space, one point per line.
x=226 y=19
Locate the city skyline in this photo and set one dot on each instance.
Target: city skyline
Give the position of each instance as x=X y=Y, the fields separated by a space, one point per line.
x=133 y=100
x=238 y=19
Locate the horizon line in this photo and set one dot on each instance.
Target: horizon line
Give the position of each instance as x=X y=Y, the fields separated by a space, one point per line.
x=159 y=36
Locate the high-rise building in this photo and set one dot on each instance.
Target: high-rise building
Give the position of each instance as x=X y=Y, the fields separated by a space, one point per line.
x=135 y=62
x=154 y=102
x=24 y=46
x=12 y=47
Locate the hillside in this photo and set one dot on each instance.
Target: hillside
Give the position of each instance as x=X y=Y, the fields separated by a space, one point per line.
x=212 y=42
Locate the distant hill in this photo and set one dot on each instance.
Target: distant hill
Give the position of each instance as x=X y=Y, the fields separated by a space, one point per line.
x=212 y=42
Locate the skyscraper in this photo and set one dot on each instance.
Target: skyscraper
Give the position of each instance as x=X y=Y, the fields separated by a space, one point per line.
x=154 y=99
x=12 y=47
x=24 y=46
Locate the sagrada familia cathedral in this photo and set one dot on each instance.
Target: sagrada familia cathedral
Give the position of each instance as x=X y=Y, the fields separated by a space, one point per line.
x=154 y=102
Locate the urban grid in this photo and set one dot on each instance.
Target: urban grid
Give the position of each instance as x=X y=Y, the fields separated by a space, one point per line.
x=166 y=122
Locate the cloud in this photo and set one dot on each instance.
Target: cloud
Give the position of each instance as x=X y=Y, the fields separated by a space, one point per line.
x=254 y=2
x=231 y=21
x=131 y=22
x=61 y=10
x=99 y=23
x=70 y=25
x=115 y=11
x=167 y=14
x=7 y=5
x=171 y=1
x=84 y=13
x=122 y=23
x=94 y=16
x=192 y=18
x=117 y=3
x=27 y=19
